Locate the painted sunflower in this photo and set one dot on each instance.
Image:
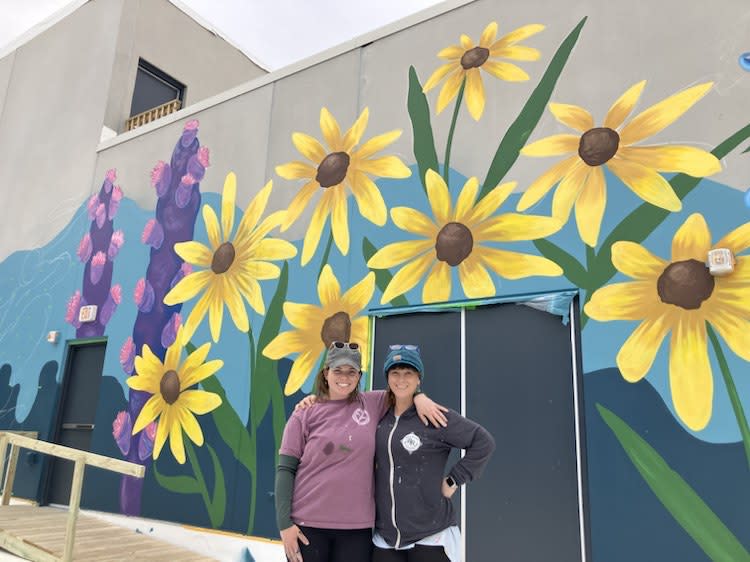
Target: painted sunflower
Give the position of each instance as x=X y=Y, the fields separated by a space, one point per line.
x=581 y=175
x=456 y=238
x=233 y=267
x=466 y=60
x=679 y=295
x=316 y=327
x=338 y=166
x=172 y=400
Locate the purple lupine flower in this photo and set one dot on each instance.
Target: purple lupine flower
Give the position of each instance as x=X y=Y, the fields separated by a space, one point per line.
x=144 y=295
x=146 y=442
x=109 y=179
x=178 y=224
x=122 y=427
x=100 y=215
x=184 y=190
x=74 y=306
x=183 y=272
x=169 y=333
x=114 y=202
x=127 y=357
x=198 y=163
x=110 y=305
x=153 y=234
x=92 y=205
x=97 y=267
x=85 y=248
x=118 y=239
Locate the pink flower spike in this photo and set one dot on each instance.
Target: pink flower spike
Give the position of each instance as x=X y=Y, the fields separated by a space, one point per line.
x=169 y=333
x=153 y=234
x=122 y=428
x=115 y=243
x=92 y=206
x=202 y=156
x=146 y=442
x=144 y=295
x=116 y=293
x=101 y=215
x=97 y=267
x=111 y=175
x=192 y=125
x=85 y=248
x=157 y=172
x=127 y=356
x=187 y=179
x=114 y=202
x=74 y=305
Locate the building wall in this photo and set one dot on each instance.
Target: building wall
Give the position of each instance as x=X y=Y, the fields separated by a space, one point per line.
x=642 y=417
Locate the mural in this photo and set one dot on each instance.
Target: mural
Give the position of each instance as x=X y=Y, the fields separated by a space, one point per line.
x=450 y=238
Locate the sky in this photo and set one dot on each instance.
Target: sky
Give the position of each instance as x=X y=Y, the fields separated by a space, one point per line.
x=275 y=33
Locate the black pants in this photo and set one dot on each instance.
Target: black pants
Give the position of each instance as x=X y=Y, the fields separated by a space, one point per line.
x=420 y=553
x=336 y=545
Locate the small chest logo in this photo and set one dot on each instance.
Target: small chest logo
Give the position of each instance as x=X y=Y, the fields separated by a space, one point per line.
x=361 y=417
x=411 y=442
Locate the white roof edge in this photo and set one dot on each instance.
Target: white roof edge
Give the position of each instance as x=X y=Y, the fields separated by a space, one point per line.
x=257 y=83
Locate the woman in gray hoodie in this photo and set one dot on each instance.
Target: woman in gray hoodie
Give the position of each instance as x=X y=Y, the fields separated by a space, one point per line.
x=415 y=519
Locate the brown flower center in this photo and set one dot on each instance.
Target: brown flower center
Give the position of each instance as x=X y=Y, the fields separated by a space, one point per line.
x=223 y=258
x=332 y=169
x=454 y=243
x=686 y=284
x=474 y=58
x=598 y=145
x=169 y=387
x=336 y=328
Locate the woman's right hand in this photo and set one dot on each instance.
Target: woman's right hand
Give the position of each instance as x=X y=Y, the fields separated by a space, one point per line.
x=290 y=537
x=306 y=402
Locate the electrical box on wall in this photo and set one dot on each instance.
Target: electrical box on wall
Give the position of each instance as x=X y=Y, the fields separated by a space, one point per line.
x=87 y=313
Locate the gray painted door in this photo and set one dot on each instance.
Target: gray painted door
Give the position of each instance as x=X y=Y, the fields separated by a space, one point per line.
x=80 y=395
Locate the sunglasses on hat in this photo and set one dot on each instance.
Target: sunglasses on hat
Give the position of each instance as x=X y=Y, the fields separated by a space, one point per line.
x=409 y=347
x=344 y=344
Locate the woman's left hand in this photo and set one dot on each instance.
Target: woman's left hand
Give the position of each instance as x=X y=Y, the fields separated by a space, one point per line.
x=447 y=490
x=430 y=412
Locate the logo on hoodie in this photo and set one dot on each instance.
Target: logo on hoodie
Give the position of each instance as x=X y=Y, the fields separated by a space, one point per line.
x=411 y=442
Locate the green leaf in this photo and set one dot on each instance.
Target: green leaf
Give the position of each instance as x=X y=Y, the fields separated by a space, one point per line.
x=419 y=114
x=178 y=484
x=382 y=276
x=637 y=226
x=219 y=496
x=685 y=505
x=520 y=130
x=572 y=268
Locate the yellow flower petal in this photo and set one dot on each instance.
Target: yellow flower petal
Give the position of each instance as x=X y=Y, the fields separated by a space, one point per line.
x=197 y=314
x=623 y=106
x=216 y=309
x=515 y=36
x=518 y=52
x=176 y=444
x=444 y=70
x=309 y=147
x=144 y=383
x=407 y=277
x=272 y=249
x=623 y=301
x=646 y=184
x=450 y=88
x=359 y=295
x=638 y=352
x=590 y=206
x=734 y=329
x=474 y=93
x=298 y=204
x=673 y=158
x=573 y=116
x=189 y=286
x=315 y=228
x=173 y=353
x=194 y=253
x=505 y=71
x=452 y=52
x=513 y=226
x=228 y=197
x=437 y=286
x=569 y=190
x=636 y=261
x=439 y=196
x=330 y=129
x=376 y=144
x=296 y=170
x=162 y=432
x=490 y=202
x=252 y=215
x=662 y=114
x=236 y=307
x=250 y=289
x=354 y=134
x=301 y=369
x=413 y=221
x=466 y=42
x=385 y=167
x=514 y=265
x=201 y=373
x=466 y=199
x=304 y=316
x=194 y=360
x=552 y=146
x=150 y=411
x=329 y=290
x=692 y=240
x=285 y=344
x=475 y=280
x=399 y=252
x=690 y=377
x=200 y=401
x=369 y=200
x=212 y=227
x=361 y=335
x=738 y=240
x=488 y=35
x=544 y=183
x=190 y=425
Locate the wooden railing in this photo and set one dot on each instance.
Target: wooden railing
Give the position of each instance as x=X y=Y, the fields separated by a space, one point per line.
x=81 y=459
x=152 y=114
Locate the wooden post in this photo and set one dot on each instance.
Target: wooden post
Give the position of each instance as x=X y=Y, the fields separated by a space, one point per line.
x=10 y=474
x=73 y=508
x=3 y=448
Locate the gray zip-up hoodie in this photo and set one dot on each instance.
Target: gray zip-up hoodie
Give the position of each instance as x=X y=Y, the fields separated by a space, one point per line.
x=410 y=460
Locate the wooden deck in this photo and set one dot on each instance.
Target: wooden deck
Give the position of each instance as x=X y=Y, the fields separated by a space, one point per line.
x=23 y=526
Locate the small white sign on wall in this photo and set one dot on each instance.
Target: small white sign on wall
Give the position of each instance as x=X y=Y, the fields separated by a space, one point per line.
x=87 y=313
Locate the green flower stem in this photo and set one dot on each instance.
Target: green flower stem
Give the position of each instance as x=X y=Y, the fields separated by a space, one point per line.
x=326 y=253
x=198 y=473
x=252 y=430
x=449 y=143
x=734 y=398
x=590 y=261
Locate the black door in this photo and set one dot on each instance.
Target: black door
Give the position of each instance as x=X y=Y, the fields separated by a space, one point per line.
x=80 y=395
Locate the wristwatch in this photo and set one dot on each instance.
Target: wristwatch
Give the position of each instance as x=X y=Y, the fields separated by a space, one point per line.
x=451 y=483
